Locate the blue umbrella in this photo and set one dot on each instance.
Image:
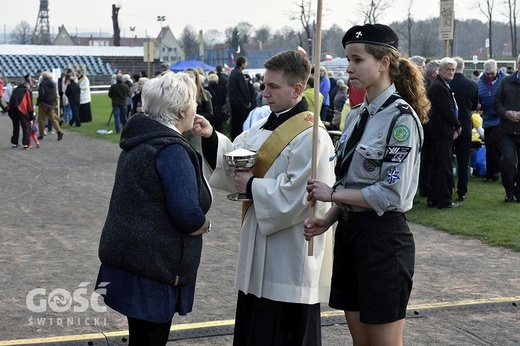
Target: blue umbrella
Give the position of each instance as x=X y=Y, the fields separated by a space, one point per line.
x=184 y=64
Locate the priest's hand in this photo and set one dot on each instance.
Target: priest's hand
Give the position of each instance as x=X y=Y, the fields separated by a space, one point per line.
x=201 y=127
x=241 y=179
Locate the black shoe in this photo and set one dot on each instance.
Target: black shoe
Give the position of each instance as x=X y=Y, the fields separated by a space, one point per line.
x=450 y=206
x=60 y=135
x=78 y=125
x=489 y=180
x=14 y=146
x=40 y=138
x=509 y=198
x=71 y=122
x=431 y=204
x=462 y=198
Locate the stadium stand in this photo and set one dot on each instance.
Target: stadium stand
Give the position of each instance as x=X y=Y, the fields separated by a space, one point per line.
x=100 y=62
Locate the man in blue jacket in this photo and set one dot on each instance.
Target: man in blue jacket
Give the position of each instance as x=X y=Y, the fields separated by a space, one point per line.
x=487 y=87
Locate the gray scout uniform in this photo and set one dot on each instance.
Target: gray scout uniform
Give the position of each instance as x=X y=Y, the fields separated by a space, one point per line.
x=385 y=165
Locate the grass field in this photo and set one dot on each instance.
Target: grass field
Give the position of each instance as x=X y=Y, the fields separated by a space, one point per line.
x=484 y=215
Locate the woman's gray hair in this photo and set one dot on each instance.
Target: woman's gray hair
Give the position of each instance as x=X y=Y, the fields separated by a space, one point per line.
x=167 y=95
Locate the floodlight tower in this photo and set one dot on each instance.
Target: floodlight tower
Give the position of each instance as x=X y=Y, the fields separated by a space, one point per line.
x=41 y=34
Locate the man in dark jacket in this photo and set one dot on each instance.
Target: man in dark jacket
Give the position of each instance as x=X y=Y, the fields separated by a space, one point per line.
x=47 y=96
x=466 y=95
x=73 y=92
x=507 y=106
x=239 y=99
x=119 y=93
x=444 y=129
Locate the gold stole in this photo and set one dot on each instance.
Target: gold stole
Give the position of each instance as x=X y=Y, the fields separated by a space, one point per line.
x=275 y=143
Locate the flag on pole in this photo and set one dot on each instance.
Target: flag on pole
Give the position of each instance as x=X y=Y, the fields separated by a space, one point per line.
x=328 y=57
x=302 y=51
x=232 y=59
x=238 y=50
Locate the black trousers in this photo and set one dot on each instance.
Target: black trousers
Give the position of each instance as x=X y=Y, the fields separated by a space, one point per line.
x=462 y=149
x=510 y=164
x=440 y=190
x=238 y=116
x=145 y=333
x=493 y=151
x=261 y=322
x=426 y=163
x=19 y=120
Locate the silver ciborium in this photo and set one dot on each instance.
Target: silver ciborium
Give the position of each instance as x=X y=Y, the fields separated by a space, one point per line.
x=240 y=160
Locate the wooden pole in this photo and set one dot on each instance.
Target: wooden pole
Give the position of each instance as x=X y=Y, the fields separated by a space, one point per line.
x=317 y=54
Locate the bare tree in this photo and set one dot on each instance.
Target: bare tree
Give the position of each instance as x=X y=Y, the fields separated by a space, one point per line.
x=189 y=40
x=263 y=34
x=284 y=37
x=511 y=16
x=115 y=24
x=374 y=10
x=21 y=34
x=331 y=41
x=488 y=12
x=426 y=42
x=409 y=24
x=305 y=15
x=245 y=31
x=213 y=37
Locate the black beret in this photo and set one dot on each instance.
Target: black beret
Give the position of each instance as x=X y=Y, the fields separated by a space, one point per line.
x=379 y=34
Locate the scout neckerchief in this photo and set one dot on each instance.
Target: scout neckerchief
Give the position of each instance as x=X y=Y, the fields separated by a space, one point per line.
x=275 y=143
x=345 y=158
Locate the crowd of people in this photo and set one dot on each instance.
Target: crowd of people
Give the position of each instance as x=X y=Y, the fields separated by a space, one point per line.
x=402 y=120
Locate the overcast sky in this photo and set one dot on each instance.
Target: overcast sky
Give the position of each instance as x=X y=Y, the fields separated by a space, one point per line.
x=95 y=15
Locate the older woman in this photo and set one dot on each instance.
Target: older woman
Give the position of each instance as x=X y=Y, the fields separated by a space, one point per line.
x=151 y=243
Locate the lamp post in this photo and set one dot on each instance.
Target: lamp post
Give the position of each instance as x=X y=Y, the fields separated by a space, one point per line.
x=160 y=19
x=132 y=29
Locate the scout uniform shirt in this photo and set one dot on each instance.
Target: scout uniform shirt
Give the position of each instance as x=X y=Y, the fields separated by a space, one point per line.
x=385 y=164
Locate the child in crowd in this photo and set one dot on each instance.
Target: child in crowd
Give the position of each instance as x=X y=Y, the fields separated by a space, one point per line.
x=33 y=130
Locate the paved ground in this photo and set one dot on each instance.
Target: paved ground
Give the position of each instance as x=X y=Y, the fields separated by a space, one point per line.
x=53 y=202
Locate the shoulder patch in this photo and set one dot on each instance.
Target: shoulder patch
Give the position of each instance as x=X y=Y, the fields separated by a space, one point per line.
x=396 y=154
x=401 y=133
x=392 y=175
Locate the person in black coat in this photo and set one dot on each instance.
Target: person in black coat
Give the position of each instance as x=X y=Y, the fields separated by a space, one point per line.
x=218 y=100
x=444 y=129
x=72 y=92
x=239 y=99
x=466 y=95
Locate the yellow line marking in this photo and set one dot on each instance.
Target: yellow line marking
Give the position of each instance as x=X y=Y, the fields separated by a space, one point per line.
x=222 y=323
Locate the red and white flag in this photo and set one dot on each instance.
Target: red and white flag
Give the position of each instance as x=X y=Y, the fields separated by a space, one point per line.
x=227 y=68
x=328 y=57
x=238 y=50
x=302 y=51
x=232 y=59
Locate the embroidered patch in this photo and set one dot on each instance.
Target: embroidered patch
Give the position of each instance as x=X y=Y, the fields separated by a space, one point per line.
x=392 y=175
x=396 y=154
x=309 y=117
x=401 y=133
x=369 y=165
